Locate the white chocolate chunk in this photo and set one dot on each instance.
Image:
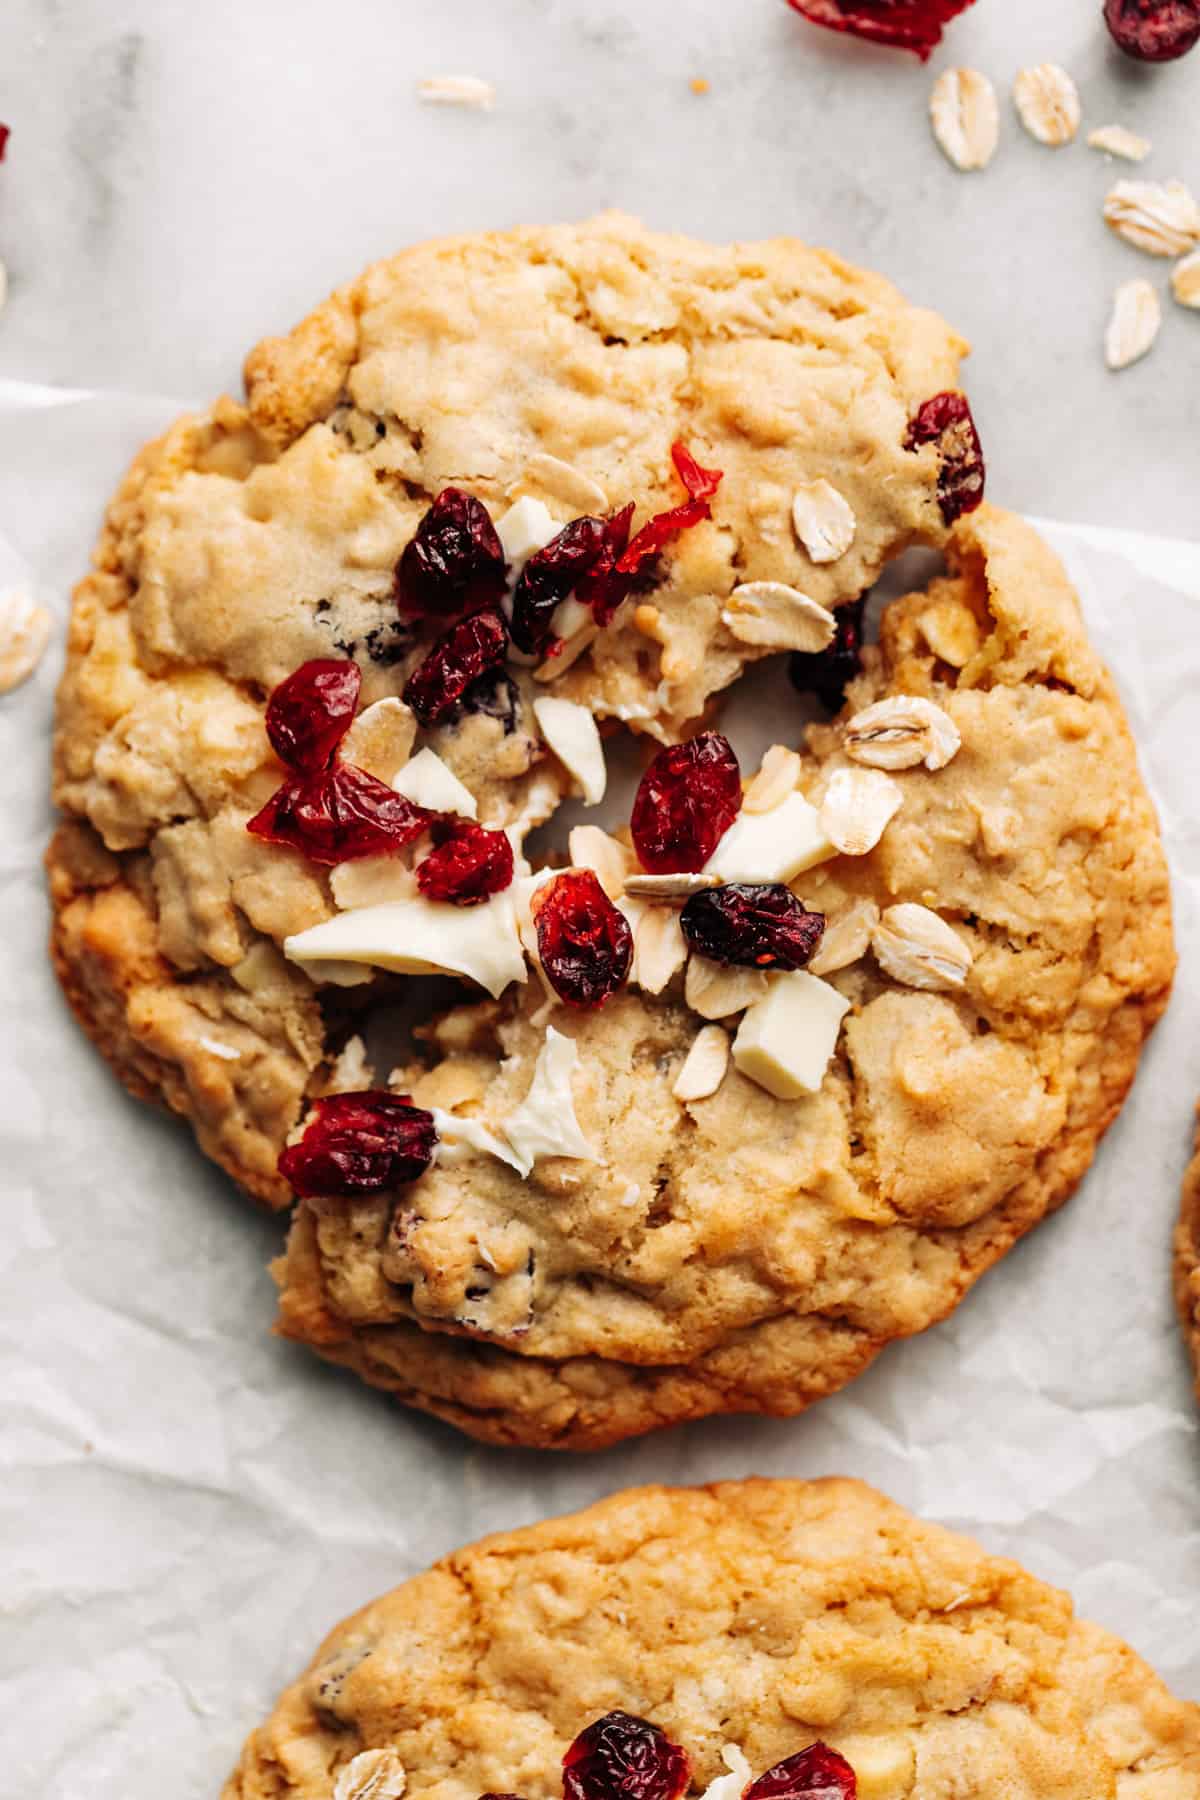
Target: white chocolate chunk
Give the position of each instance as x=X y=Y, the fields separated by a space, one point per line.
x=570 y=730
x=459 y=1139
x=785 y=1040
x=373 y=881
x=526 y=527
x=426 y=781
x=731 y=1786
x=773 y=616
x=774 y=846
x=914 y=945
x=824 y=521
x=857 y=808
x=704 y=1065
x=965 y=117
x=545 y=1123
x=421 y=937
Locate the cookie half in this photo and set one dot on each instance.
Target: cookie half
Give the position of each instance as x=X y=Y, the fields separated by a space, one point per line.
x=1006 y=947
x=554 y=367
x=743 y=1622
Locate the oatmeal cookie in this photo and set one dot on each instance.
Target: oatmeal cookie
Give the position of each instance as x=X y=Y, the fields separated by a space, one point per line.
x=720 y=1631
x=1005 y=948
x=1187 y=1260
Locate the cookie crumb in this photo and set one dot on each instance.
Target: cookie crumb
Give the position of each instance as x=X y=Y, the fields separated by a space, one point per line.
x=457 y=90
x=698 y=85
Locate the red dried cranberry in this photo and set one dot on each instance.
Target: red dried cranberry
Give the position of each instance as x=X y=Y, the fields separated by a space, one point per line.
x=904 y=24
x=584 y=941
x=701 y=485
x=603 y=588
x=759 y=925
x=455 y=559
x=457 y=659
x=468 y=865
x=1154 y=30
x=310 y=713
x=5 y=134
x=685 y=803
x=946 y=420
x=550 y=575
x=621 y=1757
x=817 y=1773
x=339 y=815
x=827 y=673
x=360 y=1143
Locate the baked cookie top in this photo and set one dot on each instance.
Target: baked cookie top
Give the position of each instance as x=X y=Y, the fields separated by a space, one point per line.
x=744 y=1621
x=1187 y=1260
x=998 y=957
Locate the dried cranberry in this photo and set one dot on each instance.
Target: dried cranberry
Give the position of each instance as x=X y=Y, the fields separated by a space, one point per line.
x=5 y=134
x=550 y=575
x=1154 y=30
x=946 y=420
x=455 y=559
x=468 y=864
x=685 y=803
x=827 y=673
x=817 y=1773
x=339 y=815
x=360 y=1143
x=584 y=942
x=701 y=485
x=621 y=1757
x=310 y=713
x=904 y=24
x=759 y=925
x=457 y=659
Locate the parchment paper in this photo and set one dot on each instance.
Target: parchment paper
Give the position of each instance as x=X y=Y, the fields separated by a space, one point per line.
x=187 y=1505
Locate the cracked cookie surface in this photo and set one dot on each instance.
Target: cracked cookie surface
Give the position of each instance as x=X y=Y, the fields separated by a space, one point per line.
x=753 y=1615
x=744 y=1252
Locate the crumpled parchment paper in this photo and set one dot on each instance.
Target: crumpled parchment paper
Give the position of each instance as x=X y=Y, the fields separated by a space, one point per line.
x=187 y=1505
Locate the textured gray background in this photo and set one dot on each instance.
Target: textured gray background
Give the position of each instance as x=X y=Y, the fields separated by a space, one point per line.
x=184 y=177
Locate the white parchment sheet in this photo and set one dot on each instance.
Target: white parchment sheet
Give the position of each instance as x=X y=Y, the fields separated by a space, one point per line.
x=186 y=1505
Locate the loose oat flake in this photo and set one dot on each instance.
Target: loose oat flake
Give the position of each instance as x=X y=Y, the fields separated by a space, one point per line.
x=778 y=775
x=704 y=1066
x=857 y=808
x=24 y=633
x=847 y=939
x=916 y=947
x=1161 y=218
x=1185 y=280
x=1047 y=103
x=1134 y=325
x=900 y=732
x=371 y=1775
x=773 y=616
x=824 y=521
x=457 y=90
x=1117 y=140
x=965 y=117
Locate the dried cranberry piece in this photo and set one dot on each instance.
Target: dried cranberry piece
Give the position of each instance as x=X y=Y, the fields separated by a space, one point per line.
x=759 y=925
x=468 y=865
x=458 y=658
x=621 y=1757
x=946 y=420
x=360 y=1143
x=310 y=713
x=827 y=673
x=904 y=24
x=685 y=803
x=817 y=1773
x=1154 y=30
x=5 y=134
x=339 y=815
x=584 y=941
x=550 y=575
x=455 y=559
x=605 y=586
x=701 y=485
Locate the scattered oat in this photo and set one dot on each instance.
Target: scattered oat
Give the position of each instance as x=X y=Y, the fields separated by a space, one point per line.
x=966 y=118
x=847 y=939
x=214 y=1047
x=900 y=732
x=952 y=632
x=381 y=738
x=856 y=810
x=24 y=633
x=1185 y=280
x=669 y=887
x=659 y=946
x=607 y=857
x=1134 y=325
x=1158 y=217
x=1118 y=140
x=777 y=777
x=371 y=1775
x=915 y=946
x=563 y=481
x=704 y=1066
x=1047 y=103
x=824 y=521
x=698 y=85
x=714 y=991
x=457 y=90
x=773 y=616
